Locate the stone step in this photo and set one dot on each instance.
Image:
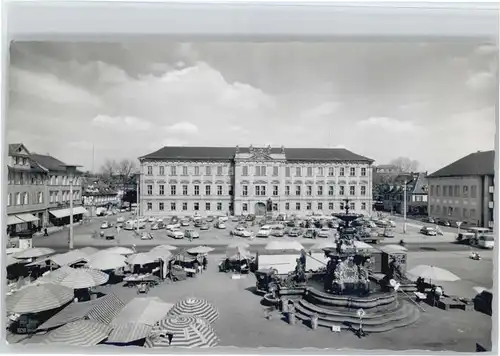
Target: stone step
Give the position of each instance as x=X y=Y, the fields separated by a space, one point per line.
x=349 y=312
x=367 y=303
x=406 y=315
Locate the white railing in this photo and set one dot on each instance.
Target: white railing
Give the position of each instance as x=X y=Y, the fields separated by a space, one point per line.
x=491 y=205
x=491 y=189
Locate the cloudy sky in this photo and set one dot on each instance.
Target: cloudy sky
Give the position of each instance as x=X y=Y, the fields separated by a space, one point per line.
x=431 y=102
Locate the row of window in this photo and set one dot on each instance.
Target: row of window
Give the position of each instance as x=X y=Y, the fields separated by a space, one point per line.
x=185 y=190
x=261 y=171
x=24 y=198
x=259 y=190
x=184 y=206
x=65 y=195
x=454 y=191
x=298 y=206
x=186 y=170
x=208 y=206
x=26 y=178
x=456 y=212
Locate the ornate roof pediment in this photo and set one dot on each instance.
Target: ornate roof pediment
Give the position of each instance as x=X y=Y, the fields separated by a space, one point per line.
x=196 y=181
x=207 y=182
x=219 y=182
x=172 y=181
x=161 y=181
x=309 y=182
x=260 y=182
x=320 y=182
x=298 y=182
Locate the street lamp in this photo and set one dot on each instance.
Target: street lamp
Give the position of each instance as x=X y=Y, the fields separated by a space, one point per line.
x=71 y=171
x=404 y=206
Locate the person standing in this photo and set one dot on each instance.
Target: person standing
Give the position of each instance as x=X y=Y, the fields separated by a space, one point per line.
x=204 y=262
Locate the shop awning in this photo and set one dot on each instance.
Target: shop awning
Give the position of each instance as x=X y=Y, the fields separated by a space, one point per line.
x=62 y=213
x=27 y=217
x=13 y=220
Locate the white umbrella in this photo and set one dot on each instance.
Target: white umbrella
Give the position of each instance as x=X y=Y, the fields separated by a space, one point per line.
x=238 y=244
x=39 y=297
x=89 y=250
x=394 y=248
x=120 y=250
x=104 y=260
x=200 y=250
x=324 y=244
x=79 y=278
x=164 y=247
x=34 y=252
x=10 y=261
x=362 y=245
x=141 y=259
x=433 y=273
x=13 y=250
x=165 y=254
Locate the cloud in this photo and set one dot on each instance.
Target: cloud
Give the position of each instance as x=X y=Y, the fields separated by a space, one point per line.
x=481 y=81
x=321 y=110
x=387 y=124
x=48 y=87
x=184 y=128
x=128 y=123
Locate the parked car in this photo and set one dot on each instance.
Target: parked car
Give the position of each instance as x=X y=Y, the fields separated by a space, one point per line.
x=120 y=219
x=106 y=225
x=443 y=222
x=185 y=222
x=486 y=241
x=294 y=232
x=265 y=231
x=429 y=220
x=198 y=222
x=324 y=233
x=235 y=219
x=210 y=218
x=204 y=226
x=388 y=232
x=278 y=232
x=175 y=234
x=240 y=231
x=222 y=218
x=191 y=234
x=250 y=217
x=151 y=219
x=173 y=226
x=310 y=234
x=157 y=226
x=429 y=231
x=220 y=225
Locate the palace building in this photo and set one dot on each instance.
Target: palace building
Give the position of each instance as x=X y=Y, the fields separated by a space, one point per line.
x=250 y=180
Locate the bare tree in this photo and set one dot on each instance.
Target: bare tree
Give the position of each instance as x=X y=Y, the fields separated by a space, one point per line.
x=109 y=168
x=126 y=168
x=405 y=164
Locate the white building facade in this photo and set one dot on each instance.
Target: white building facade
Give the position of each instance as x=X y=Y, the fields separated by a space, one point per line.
x=241 y=181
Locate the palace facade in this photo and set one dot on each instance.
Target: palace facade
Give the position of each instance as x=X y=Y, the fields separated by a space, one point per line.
x=240 y=181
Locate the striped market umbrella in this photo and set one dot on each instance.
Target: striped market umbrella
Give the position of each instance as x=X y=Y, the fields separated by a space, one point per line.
x=141 y=259
x=39 y=297
x=197 y=307
x=164 y=247
x=120 y=250
x=79 y=278
x=79 y=333
x=182 y=331
x=104 y=261
x=34 y=252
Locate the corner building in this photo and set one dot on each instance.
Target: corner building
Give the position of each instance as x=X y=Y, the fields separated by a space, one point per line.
x=239 y=181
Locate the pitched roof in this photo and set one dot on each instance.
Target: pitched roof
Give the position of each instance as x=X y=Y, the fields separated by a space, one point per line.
x=228 y=153
x=476 y=164
x=421 y=184
x=50 y=163
x=14 y=148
